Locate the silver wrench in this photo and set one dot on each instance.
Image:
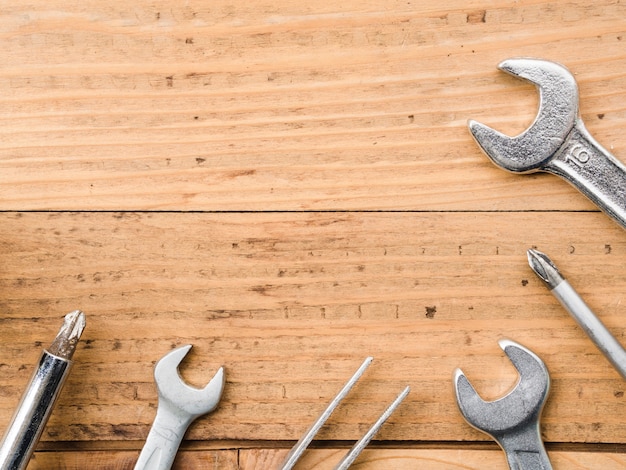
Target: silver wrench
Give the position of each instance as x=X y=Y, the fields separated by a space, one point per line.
x=513 y=420
x=557 y=141
x=179 y=404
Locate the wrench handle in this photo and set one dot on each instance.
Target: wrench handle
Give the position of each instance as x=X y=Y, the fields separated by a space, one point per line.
x=528 y=460
x=524 y=450
x=164 y=438
x=589 y=167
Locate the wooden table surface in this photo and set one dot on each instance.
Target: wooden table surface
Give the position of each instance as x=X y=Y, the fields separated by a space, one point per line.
x=291 y=187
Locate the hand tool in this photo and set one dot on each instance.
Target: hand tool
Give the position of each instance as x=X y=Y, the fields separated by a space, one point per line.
x=296 y=452
x=576 y=306
x=179 y=404
x=557 y=141
x=513 y=420
x=38 y=400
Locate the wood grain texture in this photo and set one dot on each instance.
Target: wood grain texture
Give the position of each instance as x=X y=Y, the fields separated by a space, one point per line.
x=432 y=459
x=290 y=304
x=324 y=459
x=125 y=460
x=288 y=106
x=290 y=187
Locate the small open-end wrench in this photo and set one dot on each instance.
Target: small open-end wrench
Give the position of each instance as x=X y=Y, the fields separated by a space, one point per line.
x=557 y=141
x=179 y=404
x=513 y=420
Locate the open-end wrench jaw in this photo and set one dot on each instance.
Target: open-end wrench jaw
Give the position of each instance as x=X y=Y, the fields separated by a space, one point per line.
x=179 y=404
x=513 y=420
x=173 y=389
x=521 y=405
x=557 y=141
x=557 y=116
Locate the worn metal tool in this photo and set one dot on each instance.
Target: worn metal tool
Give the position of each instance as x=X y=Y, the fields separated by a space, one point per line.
x=557 y=142
x=576 y=306
x=513 y=420
x=179 y=404
x=297 y=450
x=38 y=400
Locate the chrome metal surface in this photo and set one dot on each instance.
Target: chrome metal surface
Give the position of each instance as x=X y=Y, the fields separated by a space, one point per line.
x=40 y=396
x=298 y=449
x=296 y=452
x=362 y=443
x=557 y=141
x=513 y=420
x=579 y=310
x=179 y=404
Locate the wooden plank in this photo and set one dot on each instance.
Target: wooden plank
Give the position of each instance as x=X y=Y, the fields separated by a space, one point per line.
x=417 y=459
x=288 y=106
x=322 y=459
x=266 y=106
x=291 y=303
x=125 y=460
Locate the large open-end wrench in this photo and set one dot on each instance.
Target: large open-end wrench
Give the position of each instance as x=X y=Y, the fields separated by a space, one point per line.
x=513 y=420
x=179 y=404
x=557 y=142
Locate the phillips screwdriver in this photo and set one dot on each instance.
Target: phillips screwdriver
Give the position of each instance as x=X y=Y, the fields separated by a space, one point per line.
x=576 y=306
x=32 y=413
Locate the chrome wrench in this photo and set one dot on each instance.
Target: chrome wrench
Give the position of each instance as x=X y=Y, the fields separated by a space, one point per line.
x=179 y=404
x=513 y=420
x=557 y=141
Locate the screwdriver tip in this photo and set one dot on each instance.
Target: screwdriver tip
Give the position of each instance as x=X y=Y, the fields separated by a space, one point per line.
x=544 y=268
x=66 y=340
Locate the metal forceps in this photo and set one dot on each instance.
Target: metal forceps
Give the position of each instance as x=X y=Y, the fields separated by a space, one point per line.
x=296 y=452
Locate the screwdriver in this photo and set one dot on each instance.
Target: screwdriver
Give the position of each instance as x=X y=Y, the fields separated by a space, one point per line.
x=576 y=306
x=32 y=413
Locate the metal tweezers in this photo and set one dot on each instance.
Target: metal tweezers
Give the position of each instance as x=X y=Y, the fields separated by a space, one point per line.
x=296 y=452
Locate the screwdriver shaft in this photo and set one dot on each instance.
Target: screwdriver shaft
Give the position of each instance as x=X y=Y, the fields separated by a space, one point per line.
x=38 y=400
x=576 y=306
